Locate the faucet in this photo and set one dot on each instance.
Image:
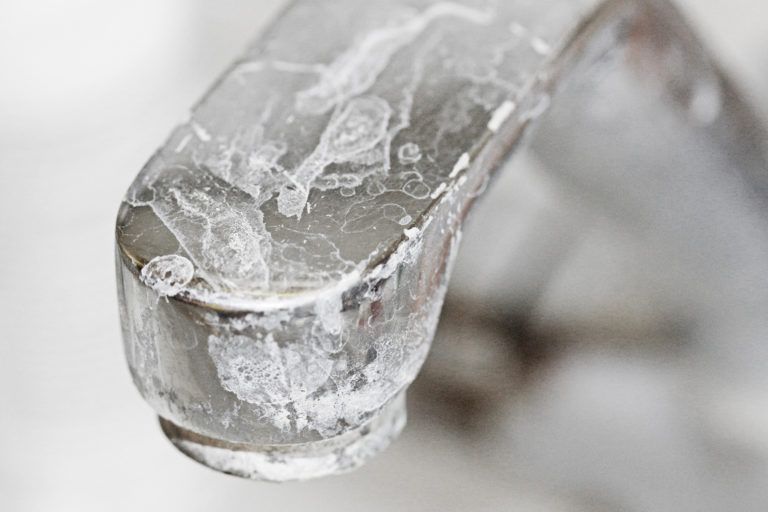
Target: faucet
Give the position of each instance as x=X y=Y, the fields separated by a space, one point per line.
x=282 y=260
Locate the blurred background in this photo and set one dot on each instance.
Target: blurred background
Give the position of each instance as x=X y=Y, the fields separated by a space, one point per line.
x=575 y=406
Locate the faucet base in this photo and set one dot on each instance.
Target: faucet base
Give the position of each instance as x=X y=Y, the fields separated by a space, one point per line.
x=281 y=463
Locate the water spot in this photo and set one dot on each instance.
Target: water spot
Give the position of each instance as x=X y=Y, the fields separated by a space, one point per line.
x=417 y=189
x=409 y=153
x=262 y=371
x=168 y=275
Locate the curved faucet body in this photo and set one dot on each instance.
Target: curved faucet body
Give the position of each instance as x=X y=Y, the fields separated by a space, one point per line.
x=283 y=258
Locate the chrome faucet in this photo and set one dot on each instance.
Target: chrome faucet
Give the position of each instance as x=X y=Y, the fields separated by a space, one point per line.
x=283 y=259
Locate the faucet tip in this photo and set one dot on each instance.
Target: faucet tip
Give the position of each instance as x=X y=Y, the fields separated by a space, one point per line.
x=296 y=462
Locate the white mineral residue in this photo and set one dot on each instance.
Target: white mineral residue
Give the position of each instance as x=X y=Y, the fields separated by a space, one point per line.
x=355 y=71
x=357 y=128
x=409 y=153
x=462 y=164
x=168 y=275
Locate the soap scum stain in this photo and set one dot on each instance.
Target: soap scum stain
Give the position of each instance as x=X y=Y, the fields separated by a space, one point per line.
x=409 y=153
x=227 y=242
x=231 y=246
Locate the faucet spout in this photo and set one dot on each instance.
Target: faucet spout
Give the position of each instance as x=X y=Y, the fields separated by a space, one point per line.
x=282 y=260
